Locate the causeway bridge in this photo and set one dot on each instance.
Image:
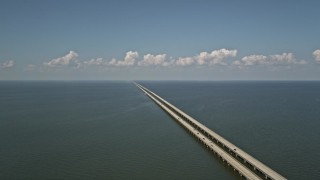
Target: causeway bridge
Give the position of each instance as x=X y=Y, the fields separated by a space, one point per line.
x=246 y=165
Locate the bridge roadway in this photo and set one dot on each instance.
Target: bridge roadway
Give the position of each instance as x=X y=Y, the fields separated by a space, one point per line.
x=243 y=171
x=217 y=143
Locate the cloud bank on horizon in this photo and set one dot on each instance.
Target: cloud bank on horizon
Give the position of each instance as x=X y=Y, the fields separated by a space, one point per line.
x=219 y=57
x=216 y=58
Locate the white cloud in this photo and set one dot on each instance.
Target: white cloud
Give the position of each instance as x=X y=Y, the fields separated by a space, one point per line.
x=215 y=57
x=129 y=59
x=184 y=61
x=113 y=62
x=316 y=55
x=254 y=59
x=168 y=63
x=284 y=58
x=97 y=62
x=150 y=59
x=64 y=60
x=7 y=64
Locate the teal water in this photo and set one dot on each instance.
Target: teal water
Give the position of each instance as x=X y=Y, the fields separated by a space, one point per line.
x=111 y=130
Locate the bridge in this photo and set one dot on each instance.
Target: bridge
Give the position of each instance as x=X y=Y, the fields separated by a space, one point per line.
x=246 y=165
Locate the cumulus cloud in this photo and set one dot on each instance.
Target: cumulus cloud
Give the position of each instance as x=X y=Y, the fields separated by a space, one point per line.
x=168 y=63
x=316 y=55
x=69 y=58
x=7 y=64
x=215 y=57
x=284 y=58
x=184 y=61
x=113 y=62
x=155 y=60
x=254 y=59
x=129 y=59
x=97 y=62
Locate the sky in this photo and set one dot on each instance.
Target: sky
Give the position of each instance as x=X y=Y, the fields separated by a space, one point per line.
x=159 y=40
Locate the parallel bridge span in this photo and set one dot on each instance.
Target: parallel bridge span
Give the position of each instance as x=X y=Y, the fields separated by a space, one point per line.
x=246 y=165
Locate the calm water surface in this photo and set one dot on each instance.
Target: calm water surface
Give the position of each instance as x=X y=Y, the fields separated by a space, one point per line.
x=111 y=130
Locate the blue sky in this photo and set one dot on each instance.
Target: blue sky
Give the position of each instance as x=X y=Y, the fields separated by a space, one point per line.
x=159 y=40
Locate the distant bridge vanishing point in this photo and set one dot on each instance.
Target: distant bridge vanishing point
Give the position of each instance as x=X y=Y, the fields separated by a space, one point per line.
x=246 y=165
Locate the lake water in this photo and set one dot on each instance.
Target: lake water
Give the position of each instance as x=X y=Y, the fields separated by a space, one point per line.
x=111 y=130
